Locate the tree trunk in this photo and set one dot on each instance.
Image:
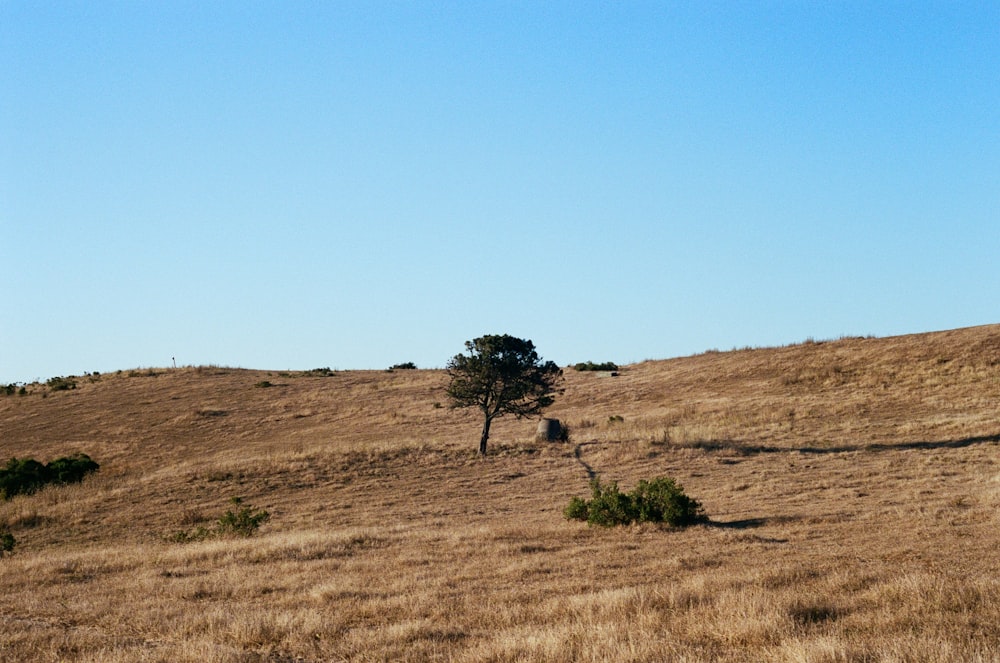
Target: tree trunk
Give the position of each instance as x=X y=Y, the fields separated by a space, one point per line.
x=486 y=436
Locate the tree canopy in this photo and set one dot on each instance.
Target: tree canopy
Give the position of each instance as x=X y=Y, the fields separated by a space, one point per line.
x=501 y=374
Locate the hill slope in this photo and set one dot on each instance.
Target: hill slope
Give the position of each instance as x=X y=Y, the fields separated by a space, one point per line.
x=852 y=487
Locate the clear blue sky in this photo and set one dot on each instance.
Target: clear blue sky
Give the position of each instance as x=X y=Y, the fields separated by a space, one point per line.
x=356 y=184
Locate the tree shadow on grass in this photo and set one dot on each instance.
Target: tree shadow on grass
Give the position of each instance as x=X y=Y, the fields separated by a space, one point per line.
x=736 y=447
x=578 y=455
x=750 y=524
x=746 y=523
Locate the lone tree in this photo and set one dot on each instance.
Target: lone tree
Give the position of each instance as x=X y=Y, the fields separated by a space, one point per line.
x=501 y=375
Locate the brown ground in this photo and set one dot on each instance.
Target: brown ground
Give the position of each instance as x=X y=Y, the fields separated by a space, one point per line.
x=852 y=488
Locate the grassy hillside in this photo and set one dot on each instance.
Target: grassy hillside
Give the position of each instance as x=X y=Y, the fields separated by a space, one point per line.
x=852 y=488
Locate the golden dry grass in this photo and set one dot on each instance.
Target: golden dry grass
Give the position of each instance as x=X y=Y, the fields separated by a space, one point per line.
x=852 y=488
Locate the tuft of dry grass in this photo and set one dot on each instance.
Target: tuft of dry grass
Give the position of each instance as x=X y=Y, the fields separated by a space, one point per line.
x=852 y=487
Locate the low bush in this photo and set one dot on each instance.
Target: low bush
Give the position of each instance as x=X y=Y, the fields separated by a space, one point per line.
x=7 y=542
x=71 y=469
x=658 y=501
x=406 y=366
x=591 y=366
x=27 y=475
x=242 y=520
x=61 y=384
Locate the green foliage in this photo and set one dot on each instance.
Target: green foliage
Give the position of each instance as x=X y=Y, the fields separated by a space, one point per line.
x=658 y=501
x=405 y=366
x=663 y=501
x=576 y=509
x=71 y=469
x=501 y=375
x=616 y=419
x=21 y=476
x=608 y=506
x=241 y=520
x=7 y=542
x=263 y=384
x=26 y=475
x=244 y=521
x=61 y=384
x=591 y=366
x=9 y=389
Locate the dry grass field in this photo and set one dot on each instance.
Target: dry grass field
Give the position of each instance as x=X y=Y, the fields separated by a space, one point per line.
x=852 y=488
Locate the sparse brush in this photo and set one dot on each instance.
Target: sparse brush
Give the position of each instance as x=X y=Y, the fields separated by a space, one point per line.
x=591 y=366
x=7 y=542
x=242 y=520
x=61 y=383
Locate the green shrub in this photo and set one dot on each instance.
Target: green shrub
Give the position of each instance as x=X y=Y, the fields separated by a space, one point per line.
x=576 y=509
x=61 y=384
x=242 y=522
x=71 y=469
x=616 y=419
x=7 y=542
x=21 y=476
x=27 y=475
x=406 y=366
x=263 y=384
x=591 y=366
x=658 y=501
x=663 y=501
x=9 y=389
x=608 y=506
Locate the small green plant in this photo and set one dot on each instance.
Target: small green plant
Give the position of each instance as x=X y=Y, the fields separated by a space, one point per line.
x=616 y=419
x=591 y=366
x=241 y=520
x=658 y=501
x=187 y=536
x=9 y=389
x=7 y=542
x=263 y=384
x=244 y=521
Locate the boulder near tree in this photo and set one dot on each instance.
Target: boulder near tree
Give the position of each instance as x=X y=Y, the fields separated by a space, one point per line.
x=501 y=374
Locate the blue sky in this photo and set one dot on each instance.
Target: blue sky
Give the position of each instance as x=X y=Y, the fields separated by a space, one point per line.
x=356 y=184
